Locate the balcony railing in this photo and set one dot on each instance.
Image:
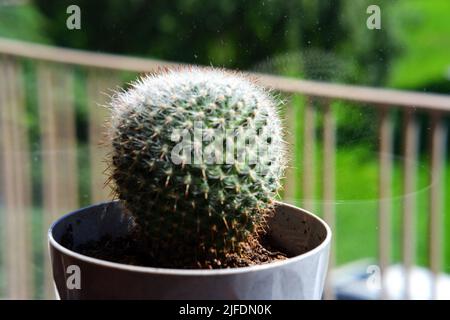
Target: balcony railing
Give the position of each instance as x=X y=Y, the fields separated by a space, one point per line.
x=51 y=97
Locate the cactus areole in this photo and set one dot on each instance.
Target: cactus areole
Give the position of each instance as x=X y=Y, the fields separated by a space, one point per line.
x=197 y=157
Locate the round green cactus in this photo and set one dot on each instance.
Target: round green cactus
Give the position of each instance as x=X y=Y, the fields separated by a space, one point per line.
x=197 y=159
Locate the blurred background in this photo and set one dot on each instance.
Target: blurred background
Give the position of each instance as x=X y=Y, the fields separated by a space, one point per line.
x=366 y=115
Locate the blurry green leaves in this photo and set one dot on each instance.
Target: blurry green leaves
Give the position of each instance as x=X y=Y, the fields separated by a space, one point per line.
x=222 y=52
x=167 y=23
x=21 y=21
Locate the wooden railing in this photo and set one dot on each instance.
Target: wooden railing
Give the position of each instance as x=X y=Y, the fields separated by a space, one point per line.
x=54 y=100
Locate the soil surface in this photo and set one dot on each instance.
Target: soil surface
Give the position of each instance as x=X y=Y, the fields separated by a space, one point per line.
x=129 y=250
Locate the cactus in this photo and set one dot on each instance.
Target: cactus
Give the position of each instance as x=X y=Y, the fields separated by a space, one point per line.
x=170 y=164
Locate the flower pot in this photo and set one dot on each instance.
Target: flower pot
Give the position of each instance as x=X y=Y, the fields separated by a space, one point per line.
x=76 y=276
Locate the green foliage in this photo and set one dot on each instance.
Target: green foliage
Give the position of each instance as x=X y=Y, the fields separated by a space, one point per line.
x=233 y=34
x=22 y=22
x=197 y=159
x=423 y=29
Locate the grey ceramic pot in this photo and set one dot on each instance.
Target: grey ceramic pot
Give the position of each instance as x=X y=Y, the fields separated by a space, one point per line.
x=303 y=235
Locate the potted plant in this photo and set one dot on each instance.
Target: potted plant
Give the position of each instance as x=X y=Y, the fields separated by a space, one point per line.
x=196 y=162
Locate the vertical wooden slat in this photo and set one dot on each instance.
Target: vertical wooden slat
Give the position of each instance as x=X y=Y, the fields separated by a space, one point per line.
x=17 y=182
x=57 y=123
x=5 y=165
x=67 y=136
x=329 y=184
x=49 y=161
x=385 y=192
x=26 y=180
x=438 y=143
x=10 y=270
x=309 y=143
x=290 y=181
x=3 y=177
x=409 y=198
x=23 y=181
x=99 y=85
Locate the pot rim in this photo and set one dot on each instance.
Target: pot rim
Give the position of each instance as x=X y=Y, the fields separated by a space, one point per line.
x=190 y=272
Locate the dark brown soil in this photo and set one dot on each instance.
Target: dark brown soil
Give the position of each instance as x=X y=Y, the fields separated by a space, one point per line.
x=129 y=250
